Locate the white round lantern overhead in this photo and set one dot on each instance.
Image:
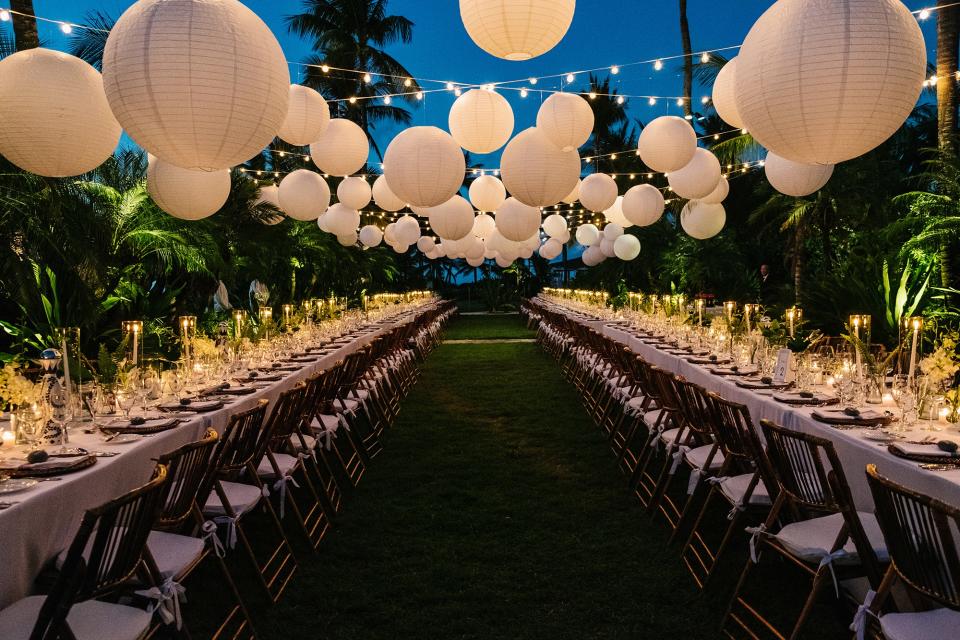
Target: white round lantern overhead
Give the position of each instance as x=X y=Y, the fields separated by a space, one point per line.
x=487 y=193
x=725 y=95
x=566 y=119
x=626 y=247
x=588 y=235
x=598 y=192
x=719 y=193
x=612 y=231
x=793 y=178
x=425 y=244
x=823 y=82
x=698 y=178
x=304 y=195
x=702 y=221
x=408 y=230
x=564 y=237
x=484 y=226
x=475 y=262
x=307 y=117
x=322 y=222
x=574 y=195
x=384 y=197
x=201 y=85
x=389 y=233
x=593 y=256
x=184 y=193
x=504 y=261
x=473 y=248
x=371 y=236
x=643 y=205
x=56 y=119
x=614 y=214
x=667 y=143
x=340 y=219
x=424 y=166
x=517 y=221
x=535 y=171
x=354 y=192
x=348 y=239
x=270 y=195
x=606 y=247
x=342 y=149
x=517 y=29
x=453 y=219
x=554 y=225
x=481 y=121
x=551 y=249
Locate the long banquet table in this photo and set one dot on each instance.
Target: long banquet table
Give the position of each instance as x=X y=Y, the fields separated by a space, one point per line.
x=43 y=520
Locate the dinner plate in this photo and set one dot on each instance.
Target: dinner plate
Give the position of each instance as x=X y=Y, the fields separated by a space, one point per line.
x=16 y=484
x=125 y=438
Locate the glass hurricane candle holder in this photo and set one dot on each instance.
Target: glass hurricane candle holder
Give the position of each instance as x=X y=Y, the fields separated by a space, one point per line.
x=239 y=320
x=133 y=331
x=794 y=316
x=287 y=317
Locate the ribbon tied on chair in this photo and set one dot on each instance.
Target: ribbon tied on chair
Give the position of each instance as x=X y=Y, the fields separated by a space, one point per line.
x=827 y=561
x=678 y=458
x=281 y=485
x=166 y=601
x=755 y=533
x=209 y=529
x=231 y=537
x=860 y=622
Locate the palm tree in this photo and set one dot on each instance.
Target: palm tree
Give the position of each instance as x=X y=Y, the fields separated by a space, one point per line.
x=687 y=59
x=88 y=44
x=948 y=40
x=24 y=25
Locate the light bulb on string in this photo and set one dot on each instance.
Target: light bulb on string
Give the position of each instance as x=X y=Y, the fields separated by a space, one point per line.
x=614 y=69
x=408 y=82
x=523 y=93
x=367 y=78
x=386 y=100
x=570 y=78
x=658 y=65
x=619 y=99
x=704 y=100
x=652 y=101
x=679 y=102
x=66 y=28
x=533 y=80
x=705 y=58
x=924 y=14
x=324 y=68
x=5 y=15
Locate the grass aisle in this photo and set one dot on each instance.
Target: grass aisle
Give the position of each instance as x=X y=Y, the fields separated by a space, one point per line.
x=495 y=511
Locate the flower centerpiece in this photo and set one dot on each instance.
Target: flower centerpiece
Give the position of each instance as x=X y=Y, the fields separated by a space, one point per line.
x=939 y=370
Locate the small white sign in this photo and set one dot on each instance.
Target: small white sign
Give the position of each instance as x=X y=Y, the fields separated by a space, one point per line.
x=782 y=368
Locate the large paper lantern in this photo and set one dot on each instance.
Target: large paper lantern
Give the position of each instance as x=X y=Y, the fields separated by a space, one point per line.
x=614 y=214
x=535 y=171
x=823 y=82
x=598 y=192
x=517 y=29
x=348 y=239
x=698 y=178
x=354 y=192
x=304 y=195
x=340 y=219
x=389 y=233
x=453 y=219
x=487 y=193
x=567 y=119
x=517 y=221
x=184 y=193
x=588 y=234
x=551 y=249
x=606 y=246
x=626 y=247
x=667 y=143
x=425 y=244
x=370 y=235
x=612 y=231
x=475 y=262
x=593 y=256
x=408 y=230
x=643 y=205
x=54 y=116
x=564 y=237
x=725 y=95
x=342 y=149
x=201 y=84
x=270 y=195
x=554 y=225
x=424 y=166
x=793 y=178
x=719 y=193
x=481 y=121
x=307 y=116
x=384 y=197
x=484 y=226
x=702 y=221
x=574 y=194
x=473 y=248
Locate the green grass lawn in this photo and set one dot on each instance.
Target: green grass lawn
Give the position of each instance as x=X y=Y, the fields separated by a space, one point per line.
x=488 y=327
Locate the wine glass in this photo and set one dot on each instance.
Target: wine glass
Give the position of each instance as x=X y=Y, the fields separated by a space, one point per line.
x=126 y=398
x=61 y=412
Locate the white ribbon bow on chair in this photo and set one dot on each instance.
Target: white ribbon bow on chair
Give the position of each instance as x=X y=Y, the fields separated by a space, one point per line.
x=166 y=601
x=859 y=625
x=209 y=529
x=755 y=533
x=281 y=485
x=678 y=458
x=231 y=538
x=827 y=561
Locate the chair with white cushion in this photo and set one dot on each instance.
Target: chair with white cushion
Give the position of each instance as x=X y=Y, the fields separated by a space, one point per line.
x=666 y=431
x=106 y=555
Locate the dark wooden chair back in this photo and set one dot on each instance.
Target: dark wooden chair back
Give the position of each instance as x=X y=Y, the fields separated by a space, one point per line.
x=241 y=445
x=187 y=468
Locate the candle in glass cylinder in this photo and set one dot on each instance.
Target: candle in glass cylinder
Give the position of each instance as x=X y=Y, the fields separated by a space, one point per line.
x=266 y=316
x=287 y=310
x=793 y=318
x=700 y=303
x=855 y=323
x=915 y=324
x=748 y=310
x=239 y=316
x=730 y=307
x=133 y=328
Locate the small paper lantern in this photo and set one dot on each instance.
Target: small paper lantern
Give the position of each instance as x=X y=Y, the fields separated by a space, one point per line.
x=564 y=237
x=793 y=178
x=348 y=239
x=384 y=197
x=598 y=192
x=472 y=248
x=484 y=226
x=401 y=248
x=389 y=233
x=702 y=221
x=371 y=236
x=322 y=222
x=354 y=192
x=551 y=249
x=606 y=246
x=199 y=84
x=481 y=121
x=614 y=214
x=667 y=143
x=566 y=119
x=612 y=231
x=270 y=195
x=424 y=166
x=425 y=244
x=517 y=221
x=487 y=193
x=719 y=193
x=453 y=219
x=823 y=82
x=307 y=117
x=574 y=195
x=516 y=29
x=340 y=219
x=698 y=178
x=304 y=195
x=593 y=256
x=341 y=149
x=54 y=116
x=408 y=230
x=626 y=247
x=535 y=171
x=184 y=193
x=643 y=205
x=725 y=95
x=588 y=234
x=554 y=225
x=475 y=262
x=504 y=261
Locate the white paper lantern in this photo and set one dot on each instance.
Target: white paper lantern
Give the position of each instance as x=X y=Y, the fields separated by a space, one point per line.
x=389 y=233
x=341 y=149
x=823 y=82
x=307 y=117
x=354 y=192
x=667 y=143
x=322 y=222
x=384 y=197
x=516 y=221
x=698 y=178
x=536 y=172
x=370 y=235
x=615 y=215
x=504 y=261
x=472 y=248
x=475 y=262
x=554 y=225
x=400 y=248
x=453 y=219
x=270 y=195
x=593 y=256
x=719 y=193
x=487 y=193
x=340 y=219
x=574 y=195
x=424 y=166
x=426 y=244
x=516 y=29
x=725 y=95
x=564 y=237
x=408 y=230
x=201 y=84
x=567 y=119
x=612 y=231
x=348 y=239
x=481 y=121
x=702 y=221
x=184 y=193
x=643 y=205
x=484 y=226
x=54 y=116
x=588 y=234
x=796 y=179
x=598 y=192
x=551 y=249
x=626 y=247
x=606 y=246
x=304 y=195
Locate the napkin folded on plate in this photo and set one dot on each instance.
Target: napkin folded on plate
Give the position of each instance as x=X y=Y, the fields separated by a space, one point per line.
x=149 y=423
x=913 y=449
x=702 y=360
x=728 y=371
x=838 y=416
x=196 y=406
x=796 y=398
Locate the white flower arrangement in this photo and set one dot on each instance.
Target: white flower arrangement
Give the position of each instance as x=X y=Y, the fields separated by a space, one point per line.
x=15 y=389
x=942 y=365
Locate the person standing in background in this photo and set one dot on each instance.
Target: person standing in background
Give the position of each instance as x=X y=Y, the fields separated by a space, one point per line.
x=766 y=285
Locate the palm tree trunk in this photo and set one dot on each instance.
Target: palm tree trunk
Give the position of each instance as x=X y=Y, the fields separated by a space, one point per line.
x=948 y=41
x=687 y=59
x=797 y=267
x=24 y=26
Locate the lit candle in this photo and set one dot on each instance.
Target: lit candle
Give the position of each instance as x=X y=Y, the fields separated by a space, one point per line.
x=915 y=324
x=287 y=309
x=700 y=311
x=133 y=327
x=747 y=310
x=730 y=307
x=791 y=318
x=855 y=321
x=8 y=438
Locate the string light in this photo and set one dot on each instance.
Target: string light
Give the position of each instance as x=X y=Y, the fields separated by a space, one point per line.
x=705 y=58
x=680 y=102
x=325 y=68
x=924 y=14
x=408 y=82
x=570 y=78
x=457 y=92
x=5 y=15
x=386 y=100
x=658 y=65
x=532 y=80
x=619 y=99
x=367 y=78
x=614 y=69
x=592 y=95
x=704 y=99
x=652 y=101
x=523 y=93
